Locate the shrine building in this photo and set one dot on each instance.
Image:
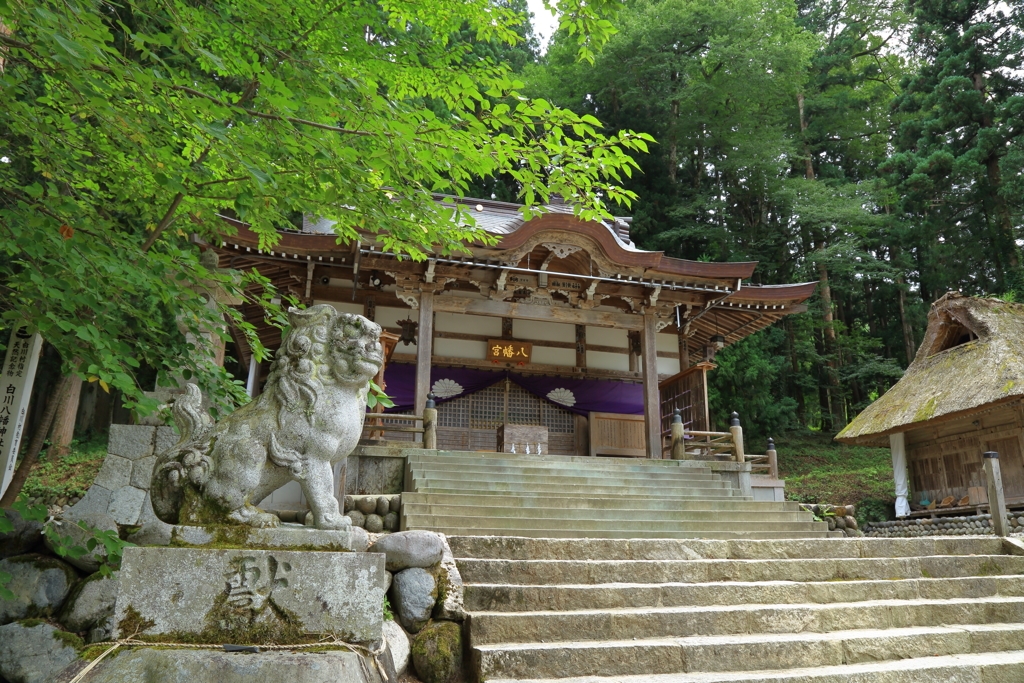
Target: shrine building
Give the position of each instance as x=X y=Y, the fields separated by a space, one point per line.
x=563 y=324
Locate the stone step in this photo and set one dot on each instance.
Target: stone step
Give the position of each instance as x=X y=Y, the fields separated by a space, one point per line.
x=987 y=667
x=646 y=549
x=741 y=652
x=639 y=525
x=581 y=479
x=455 y=486
x=631 y=514
x=664 y=622
x=575 y=572
x=575 y=597
x=582 y=462
x=547 y=466
x=582 y=502
x=474 y=472
x=626 y=534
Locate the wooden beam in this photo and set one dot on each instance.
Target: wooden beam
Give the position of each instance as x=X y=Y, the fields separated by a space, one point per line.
x=652 y=397
x=527 y=368
x=424 y=350
x=555 y=314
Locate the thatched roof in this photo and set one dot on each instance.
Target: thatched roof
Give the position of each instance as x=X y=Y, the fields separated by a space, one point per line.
x=972 y=357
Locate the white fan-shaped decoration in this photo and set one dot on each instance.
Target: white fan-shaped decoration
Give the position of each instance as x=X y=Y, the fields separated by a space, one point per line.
x=563 y=396
x=446 y=388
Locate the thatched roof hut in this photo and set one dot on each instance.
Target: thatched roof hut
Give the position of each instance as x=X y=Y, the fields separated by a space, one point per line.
x=972 y=358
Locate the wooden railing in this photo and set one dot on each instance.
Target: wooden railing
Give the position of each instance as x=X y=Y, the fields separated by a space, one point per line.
x=686 y=444
x=374 y=426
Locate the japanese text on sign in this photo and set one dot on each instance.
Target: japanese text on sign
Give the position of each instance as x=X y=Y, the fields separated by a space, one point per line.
x=509 y=351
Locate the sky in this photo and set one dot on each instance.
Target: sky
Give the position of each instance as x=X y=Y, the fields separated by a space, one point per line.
x=544 y=23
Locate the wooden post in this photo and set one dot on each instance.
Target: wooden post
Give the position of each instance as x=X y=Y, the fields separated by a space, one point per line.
x=430 y=424
x=424 y=350
x=678 y=436
x=773 y=460
x=737 y=437
x=581 y=346
x=635 y=349
x=652 y=397
x=996 y=499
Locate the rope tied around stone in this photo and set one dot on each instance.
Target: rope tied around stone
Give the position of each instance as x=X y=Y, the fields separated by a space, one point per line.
x=131 y=641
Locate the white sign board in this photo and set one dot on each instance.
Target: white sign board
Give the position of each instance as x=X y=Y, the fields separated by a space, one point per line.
x=16 y=379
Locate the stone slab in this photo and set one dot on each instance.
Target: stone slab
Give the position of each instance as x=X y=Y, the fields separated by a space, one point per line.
x=95 y=501
x=250 y=595
x=115 y=472
x=131 y=441
x=165 y=438
x=126 y=504
x=142 y=472
x=293 y=536
x=146 y=665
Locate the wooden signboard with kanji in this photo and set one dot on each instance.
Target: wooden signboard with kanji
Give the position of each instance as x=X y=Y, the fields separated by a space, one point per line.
x=509 y=351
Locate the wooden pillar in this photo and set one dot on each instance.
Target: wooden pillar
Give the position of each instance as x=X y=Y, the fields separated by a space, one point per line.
x=635 y=349
x=652 y=397
x=252 y=383
x=581 y=346
x=737 y=438
x=424 y=350
x=996 y=498
x=506 y=328
x=684 y=353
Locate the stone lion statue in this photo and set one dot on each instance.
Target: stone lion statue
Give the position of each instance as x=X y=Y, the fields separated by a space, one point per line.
x=309 y=417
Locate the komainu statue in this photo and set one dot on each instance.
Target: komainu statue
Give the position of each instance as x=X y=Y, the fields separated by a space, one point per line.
x=309 y=416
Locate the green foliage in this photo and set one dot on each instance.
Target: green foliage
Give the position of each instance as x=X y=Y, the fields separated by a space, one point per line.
x=820 y=470
x=129 y=125
x=388 y=614
x=748 y=380
x=68 y=475
x=376 y=396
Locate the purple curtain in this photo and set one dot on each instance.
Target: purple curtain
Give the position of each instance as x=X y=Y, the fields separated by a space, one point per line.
x=579 y=396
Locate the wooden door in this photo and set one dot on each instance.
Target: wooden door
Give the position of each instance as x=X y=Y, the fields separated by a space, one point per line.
x=1010 y=464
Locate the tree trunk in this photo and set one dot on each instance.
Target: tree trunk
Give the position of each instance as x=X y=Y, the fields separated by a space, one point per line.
x=809 y=161
x=831 y=351
x=908 y=331
x=64 y=420
x=59 y=395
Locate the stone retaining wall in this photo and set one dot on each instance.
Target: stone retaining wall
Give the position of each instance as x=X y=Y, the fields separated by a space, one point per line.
x=968 y=525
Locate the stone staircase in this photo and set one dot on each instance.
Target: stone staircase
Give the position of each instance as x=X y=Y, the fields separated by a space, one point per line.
x=927 y=610
x=501 y=494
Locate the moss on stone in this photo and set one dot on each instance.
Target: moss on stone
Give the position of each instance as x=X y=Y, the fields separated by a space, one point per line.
x=30 y=623
x=69 y=639
x=437 y=652
x=132 y=624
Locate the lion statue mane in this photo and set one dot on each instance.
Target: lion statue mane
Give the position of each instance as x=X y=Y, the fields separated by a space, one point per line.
x=309 y=416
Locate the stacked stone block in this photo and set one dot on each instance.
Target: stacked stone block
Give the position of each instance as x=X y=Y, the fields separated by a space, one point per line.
x=121 y=489
x=969 y=525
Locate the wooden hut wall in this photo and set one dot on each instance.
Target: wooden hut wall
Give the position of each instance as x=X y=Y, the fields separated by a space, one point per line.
x=945 y=459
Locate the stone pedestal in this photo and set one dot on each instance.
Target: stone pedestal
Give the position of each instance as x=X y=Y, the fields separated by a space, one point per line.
x=531 y=439
x=284 y=537
x=249 y=596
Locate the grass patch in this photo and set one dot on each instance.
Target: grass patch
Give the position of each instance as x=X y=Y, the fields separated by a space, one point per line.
x=71 y=475
x=818 y=469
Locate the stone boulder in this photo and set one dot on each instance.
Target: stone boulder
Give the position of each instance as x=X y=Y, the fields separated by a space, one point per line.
x=413 y=594
x=90 y=604
x=437 y=652
x=406 y=549
x=40 y=585
x=156 y=532
x=23 y=539
x=366 y=504
x=91 y=561
x=398 y=645
x=374 y=524
x=34 y=652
